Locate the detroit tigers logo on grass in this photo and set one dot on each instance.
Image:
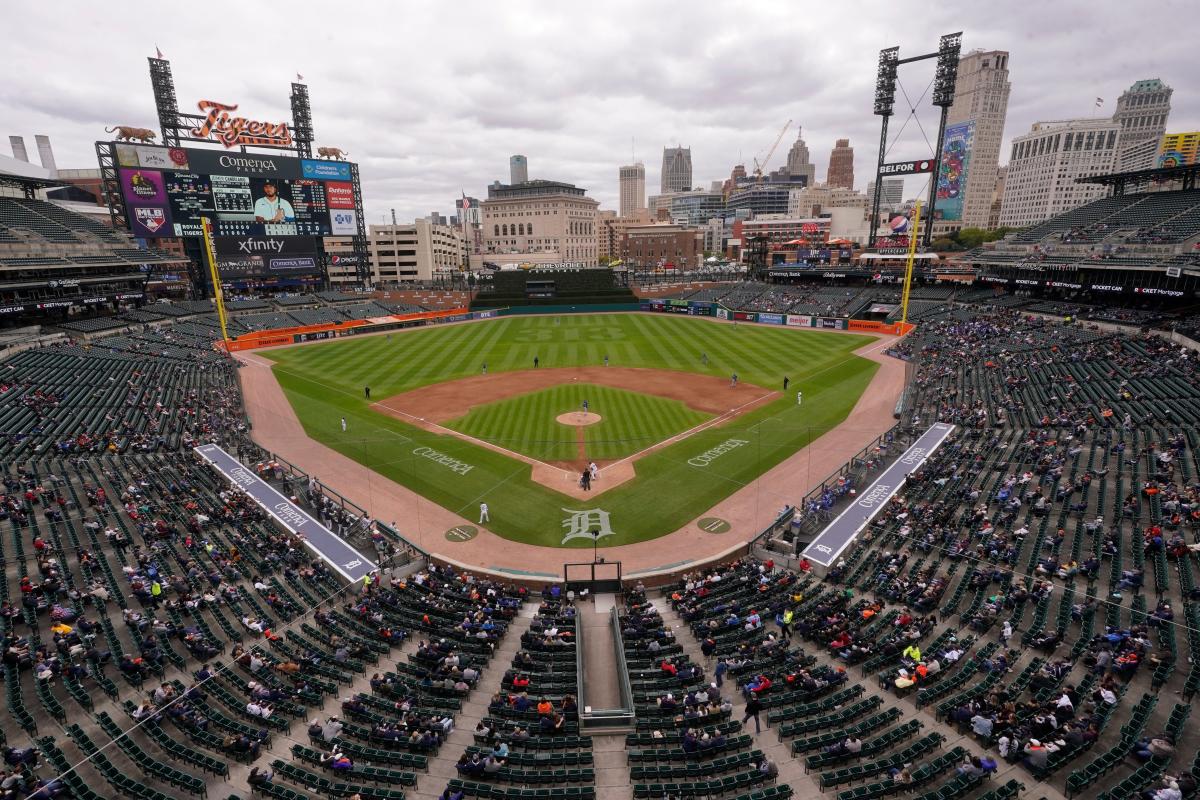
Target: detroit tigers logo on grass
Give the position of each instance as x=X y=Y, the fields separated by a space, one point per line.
x=580 y=524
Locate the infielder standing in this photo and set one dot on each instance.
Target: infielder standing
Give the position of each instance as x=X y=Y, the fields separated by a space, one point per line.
x=343 y=424
x=483 y=513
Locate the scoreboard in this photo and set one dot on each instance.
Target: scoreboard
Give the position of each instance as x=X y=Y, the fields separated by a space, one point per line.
x=168 y=192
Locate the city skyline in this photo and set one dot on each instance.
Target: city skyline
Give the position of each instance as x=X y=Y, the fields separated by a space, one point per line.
x=443 y=116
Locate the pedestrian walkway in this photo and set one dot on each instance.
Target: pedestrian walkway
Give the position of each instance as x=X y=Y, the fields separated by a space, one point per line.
x=599 y=652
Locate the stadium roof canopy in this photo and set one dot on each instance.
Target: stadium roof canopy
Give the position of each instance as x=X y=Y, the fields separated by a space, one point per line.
x=18 y=174
x=1119 y=180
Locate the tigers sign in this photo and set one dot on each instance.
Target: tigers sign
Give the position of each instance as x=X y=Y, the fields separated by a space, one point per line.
x=230 y=131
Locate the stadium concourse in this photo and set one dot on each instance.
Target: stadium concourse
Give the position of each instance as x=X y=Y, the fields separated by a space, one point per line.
x=750 y=510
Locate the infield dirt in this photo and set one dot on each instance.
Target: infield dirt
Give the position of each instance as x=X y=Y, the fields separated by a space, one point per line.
x=429 y=406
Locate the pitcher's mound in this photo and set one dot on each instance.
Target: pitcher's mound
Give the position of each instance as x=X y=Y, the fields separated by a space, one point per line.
x=578 y=418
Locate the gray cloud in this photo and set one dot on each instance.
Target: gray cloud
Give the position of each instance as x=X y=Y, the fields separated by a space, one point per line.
x=431 y=99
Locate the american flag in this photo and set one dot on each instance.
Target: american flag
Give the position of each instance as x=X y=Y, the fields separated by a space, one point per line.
x=1099 y=102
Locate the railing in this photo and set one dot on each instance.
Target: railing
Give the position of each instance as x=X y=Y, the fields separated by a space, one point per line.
x=782 y=522
x=626 y=688
x=605 y=718
x=811 y=515
x=299 y=476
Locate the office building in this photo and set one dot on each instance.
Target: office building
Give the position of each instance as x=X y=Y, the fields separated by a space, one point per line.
x=415 y=252
x=540 y=216
x=696 y=207
x=761 y=198
x=1042 y=170
x=892 y=196
x=981 y=102
x=816 y=201
x=736 y=176
x=799 y=165
x=610 y=228
x=841 y=165
x=676 y=169
x=1142 y=112
x=663 y=245
x=997 y=199
x=518 y=170
x=633 y=188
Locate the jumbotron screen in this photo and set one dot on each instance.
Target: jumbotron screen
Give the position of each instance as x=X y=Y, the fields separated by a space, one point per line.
x=168 y=191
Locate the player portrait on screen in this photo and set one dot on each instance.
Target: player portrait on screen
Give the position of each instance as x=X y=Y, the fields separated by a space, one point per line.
x=271 y=207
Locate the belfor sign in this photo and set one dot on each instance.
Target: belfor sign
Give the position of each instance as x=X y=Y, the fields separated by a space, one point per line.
x=237 y=131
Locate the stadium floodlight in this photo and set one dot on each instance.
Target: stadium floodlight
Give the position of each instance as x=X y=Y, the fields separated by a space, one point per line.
x=885 y=82
x=946 y=76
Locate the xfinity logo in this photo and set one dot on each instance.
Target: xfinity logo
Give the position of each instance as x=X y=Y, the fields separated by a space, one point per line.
x=261 y=246
x=248 y=164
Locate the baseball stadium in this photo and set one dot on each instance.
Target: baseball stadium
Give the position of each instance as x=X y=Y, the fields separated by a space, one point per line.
x=803 y=526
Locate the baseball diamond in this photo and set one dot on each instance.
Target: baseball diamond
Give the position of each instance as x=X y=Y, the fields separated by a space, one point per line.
x=663 y=445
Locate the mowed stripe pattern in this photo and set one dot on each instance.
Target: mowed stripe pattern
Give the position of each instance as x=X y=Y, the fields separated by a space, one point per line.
x=630 y=422
x=405 y=361
x=325 y=382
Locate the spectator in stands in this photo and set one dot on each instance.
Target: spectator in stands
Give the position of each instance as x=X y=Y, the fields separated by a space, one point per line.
x=1036 y=755
x=1154 y=747
x=331 y=729
x=260 y=776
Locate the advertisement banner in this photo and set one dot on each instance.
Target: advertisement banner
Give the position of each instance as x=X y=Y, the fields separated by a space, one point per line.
x=830 y=323
x=744 y=316
x=313 y=337
x=343 y=222
x=1178 y=150
x=256 y=256
x=799 y=320
x=339 y=195
x=870 y=325
x=770 y=319
x=324 y=170
x=343 y=260
x=722 y=313
x=254 y=165
x=952 y=175
x=140 y=155
x=146 y=201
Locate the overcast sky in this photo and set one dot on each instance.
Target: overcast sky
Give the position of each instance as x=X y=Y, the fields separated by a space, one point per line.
x=432 y=98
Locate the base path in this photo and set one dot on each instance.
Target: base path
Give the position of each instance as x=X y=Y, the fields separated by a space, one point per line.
x=429 y=406
x=748 y=510
x=442 y=402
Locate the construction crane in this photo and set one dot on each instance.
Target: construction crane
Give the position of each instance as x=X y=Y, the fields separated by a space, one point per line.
x=759 y=166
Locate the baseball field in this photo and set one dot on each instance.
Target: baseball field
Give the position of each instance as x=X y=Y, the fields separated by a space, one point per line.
x=463 y=415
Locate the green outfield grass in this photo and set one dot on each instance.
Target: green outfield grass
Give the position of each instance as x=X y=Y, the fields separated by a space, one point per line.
x=630 y=422
x=325 y=382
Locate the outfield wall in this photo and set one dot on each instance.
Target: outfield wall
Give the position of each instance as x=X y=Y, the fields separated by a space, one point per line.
x=335 y=330
x=696 y=309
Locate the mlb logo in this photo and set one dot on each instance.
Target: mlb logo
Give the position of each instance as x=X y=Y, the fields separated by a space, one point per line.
x=150 y=218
